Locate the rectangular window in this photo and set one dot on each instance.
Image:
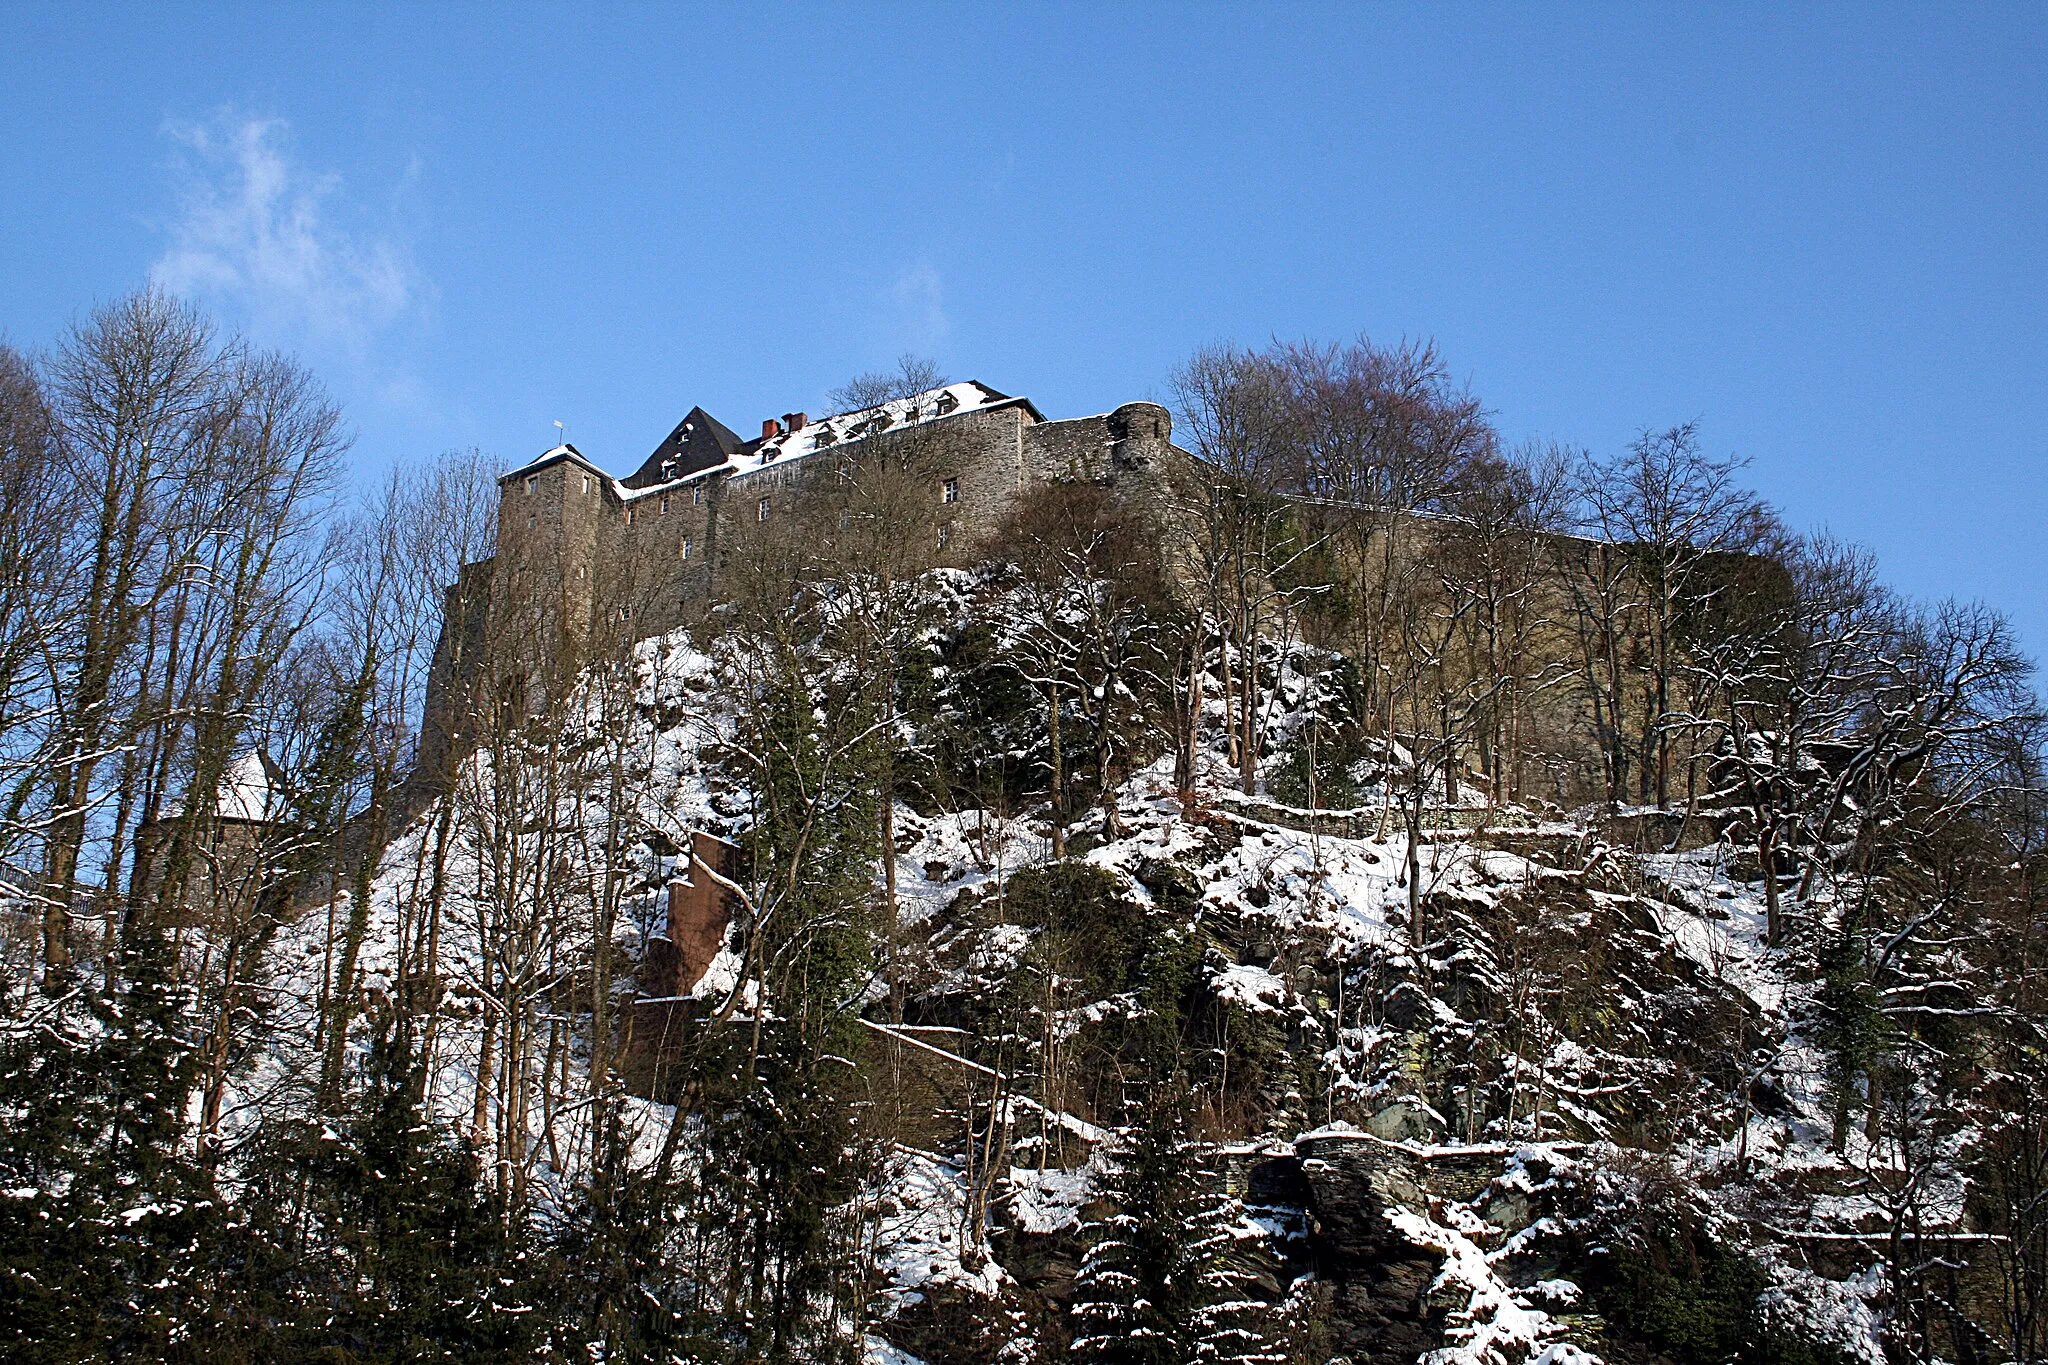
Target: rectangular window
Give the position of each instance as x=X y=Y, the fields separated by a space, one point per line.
x=630 y=511
x=531 y=521
x=761 y=513
x=949 y=491
x=532 y=482
x=586 y=483
x=625 y=613
x=945 y=534
x=697 y=495
x=686 y=547
x=664 y=504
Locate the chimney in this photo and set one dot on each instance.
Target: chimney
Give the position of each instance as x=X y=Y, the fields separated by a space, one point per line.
x=795 y=421
x=770 y=428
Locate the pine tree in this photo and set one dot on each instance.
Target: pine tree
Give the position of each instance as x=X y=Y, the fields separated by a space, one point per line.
x=1134 y=1290
x=107 y=1231
x=1230 y=1323
x=385 y=1239
x=1171 y=1273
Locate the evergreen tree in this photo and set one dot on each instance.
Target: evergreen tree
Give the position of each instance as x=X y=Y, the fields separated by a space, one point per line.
x=107 y=1227
x=1171 y=1272
x=1231 y=1323
x=1133 y=1292
x=1849 y=1023
x=385 y=1237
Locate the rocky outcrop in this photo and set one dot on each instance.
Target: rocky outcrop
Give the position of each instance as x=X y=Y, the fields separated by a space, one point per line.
x=1379 y=1307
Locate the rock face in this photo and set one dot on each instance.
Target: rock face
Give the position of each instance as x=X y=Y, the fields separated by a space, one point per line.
x=1379 y=1281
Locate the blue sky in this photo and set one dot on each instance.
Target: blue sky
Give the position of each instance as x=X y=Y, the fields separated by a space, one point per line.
x=1819 y=231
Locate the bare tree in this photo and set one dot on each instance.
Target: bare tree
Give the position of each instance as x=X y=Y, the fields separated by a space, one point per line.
x=913 y=375
x=1235 y=406
x=31 y=537
x=1672 y=509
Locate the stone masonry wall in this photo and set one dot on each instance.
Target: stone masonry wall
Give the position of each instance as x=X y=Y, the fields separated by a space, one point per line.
x=580 y=555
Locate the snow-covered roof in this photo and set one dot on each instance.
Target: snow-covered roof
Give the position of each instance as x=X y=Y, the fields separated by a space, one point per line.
x=250 y=790
x=564 y=451
x=969 y=395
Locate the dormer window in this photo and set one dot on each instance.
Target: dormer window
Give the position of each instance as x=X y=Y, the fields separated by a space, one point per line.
x=949 y=491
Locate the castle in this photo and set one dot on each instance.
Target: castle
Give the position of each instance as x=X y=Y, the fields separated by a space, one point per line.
x=637 y=556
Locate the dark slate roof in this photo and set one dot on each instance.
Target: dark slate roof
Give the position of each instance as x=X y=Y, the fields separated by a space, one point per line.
x=698 y=442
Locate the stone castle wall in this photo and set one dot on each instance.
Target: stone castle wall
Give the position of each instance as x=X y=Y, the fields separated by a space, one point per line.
x=585 y=558
x=650 y=559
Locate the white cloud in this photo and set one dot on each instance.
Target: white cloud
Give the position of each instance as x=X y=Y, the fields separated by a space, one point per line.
x=256 y=232
x=920 y=298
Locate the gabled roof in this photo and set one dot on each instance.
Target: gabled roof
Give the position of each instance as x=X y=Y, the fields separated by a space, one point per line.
x=555 y=456
x=698 y=442
x=252 y=789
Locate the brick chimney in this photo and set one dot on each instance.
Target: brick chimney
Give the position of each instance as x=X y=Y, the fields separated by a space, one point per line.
x=770 y=428
x=795 y=421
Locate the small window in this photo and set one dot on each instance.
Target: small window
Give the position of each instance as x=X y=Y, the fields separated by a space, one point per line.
x=532 y=482
x=761 y=512
x=949 y=491
x=531 y=521
x=581 y=571
x=664 y=504
x=586 y=483
x=625 y=613
x=697 y=495
x=630 y=512
x=945 y=534
x=686 y=547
